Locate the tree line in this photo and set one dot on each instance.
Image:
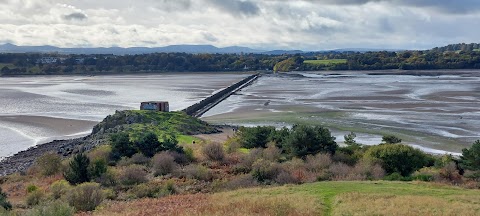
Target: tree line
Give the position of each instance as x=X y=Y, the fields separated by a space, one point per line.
x=456 y=56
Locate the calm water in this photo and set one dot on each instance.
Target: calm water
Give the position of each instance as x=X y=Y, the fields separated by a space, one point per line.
x=38 y=109
x=439 y=112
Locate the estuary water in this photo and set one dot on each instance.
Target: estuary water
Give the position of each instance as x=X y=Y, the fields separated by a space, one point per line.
x=39 y=109
x=437 y=111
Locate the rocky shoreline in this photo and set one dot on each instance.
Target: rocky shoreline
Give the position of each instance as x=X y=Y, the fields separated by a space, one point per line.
x=21 y=161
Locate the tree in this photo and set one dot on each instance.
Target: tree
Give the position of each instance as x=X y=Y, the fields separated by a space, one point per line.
x=256 y=137
x=4 y=202
x=390 y=139
x=121 y=146
x=78 y=170
x=49 y=164
x=170 y=144
x=148 y=144
x=307 y=140
x=350 y=139
x=400 y=158
x=470 y=158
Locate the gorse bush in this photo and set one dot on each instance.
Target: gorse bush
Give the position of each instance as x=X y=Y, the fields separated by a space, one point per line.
x=86 y=196
x=214 y=152
x=49 y=164
x=35 y=197
x=78 y=170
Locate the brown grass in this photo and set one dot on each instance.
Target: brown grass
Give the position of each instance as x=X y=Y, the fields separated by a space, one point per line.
x=376 y=204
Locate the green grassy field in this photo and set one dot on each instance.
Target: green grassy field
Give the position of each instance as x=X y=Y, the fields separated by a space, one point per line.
x=326 y=62
x=364 y=198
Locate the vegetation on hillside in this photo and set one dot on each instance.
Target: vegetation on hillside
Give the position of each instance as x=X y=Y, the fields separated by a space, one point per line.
x=456 y=56
x=138 y=168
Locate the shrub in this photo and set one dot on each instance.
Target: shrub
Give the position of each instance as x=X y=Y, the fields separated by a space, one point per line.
x=272 y=152
x=102 y=152
x=340 y=171
x=59 y=189
x=256 y=137
x=401 y=159
x=286 y=177
x=77 y=172
x=107 y=179
x=451 y=173
x=86 y=196
x=364 y=170
x=213 y=152
x=307 y=140
x=140 y=159
x=195 y=171
x=182 y=158
x=148 y=144
x=318 y=162
x=152 y=190
x=121 y=146
x=4 y=203
x=397 y=177
x=49 y=164
x=31 y=188
x=264 y=171
x=97 y=168
x=170 y=144
x=470 y=158
x=163 y=163
x=133 y=174
x=390 y=139
x=35 y=197
x=241 y=181
x=56 y=208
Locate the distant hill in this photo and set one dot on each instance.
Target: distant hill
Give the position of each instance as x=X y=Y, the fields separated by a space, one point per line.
x=10 y=48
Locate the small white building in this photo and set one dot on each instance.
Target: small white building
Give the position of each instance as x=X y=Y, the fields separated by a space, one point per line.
x=47 y=60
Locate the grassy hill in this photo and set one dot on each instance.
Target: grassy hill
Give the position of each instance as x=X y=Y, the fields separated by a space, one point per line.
x=322 y=198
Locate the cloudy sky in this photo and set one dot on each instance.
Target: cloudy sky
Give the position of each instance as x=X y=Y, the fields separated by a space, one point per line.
x=262 y=24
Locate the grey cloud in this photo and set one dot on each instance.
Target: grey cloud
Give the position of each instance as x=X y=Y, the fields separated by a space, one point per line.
x=169 y=5
x=237 y=7
x=75 y=16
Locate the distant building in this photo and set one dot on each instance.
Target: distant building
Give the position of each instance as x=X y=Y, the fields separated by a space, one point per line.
x=161 y=106
x=47 y=60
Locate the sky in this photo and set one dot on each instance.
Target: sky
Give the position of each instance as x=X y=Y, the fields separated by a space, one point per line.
x=261 y=24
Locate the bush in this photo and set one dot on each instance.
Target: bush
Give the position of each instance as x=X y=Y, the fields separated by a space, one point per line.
x=390 y=139
x=397 y=177
x=213 y=152
x=163 y=163
x=77 y=172
x=272 y=152
x=107 y=179
x=133 y=174
x=121 y=146
x=35 y=197
x=148 y=144
x=152 y=190
x=240 y=181
x=470 y=159
x=401 y=159
x=4 y=203
x=264 y=171
x=102 y=152
x=318 y=162
x=170 y=144
x=97 y=168
x=49 y=164
x=140 y=159
x=256 y=137
x=86 y=196
x=31 y=188
x=59 y=189
x=364 y=170
x=195 y=171
x=340 y=171
x=57 y=208
x=307 y=140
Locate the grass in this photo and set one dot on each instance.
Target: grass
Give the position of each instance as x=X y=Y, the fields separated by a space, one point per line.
x=326 y=61
x=321 y=198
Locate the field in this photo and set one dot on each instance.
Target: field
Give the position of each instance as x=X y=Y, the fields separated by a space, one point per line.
x=323 y=198
x=326 y=62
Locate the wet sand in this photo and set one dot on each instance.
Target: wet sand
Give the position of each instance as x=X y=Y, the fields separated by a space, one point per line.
x=440 y=112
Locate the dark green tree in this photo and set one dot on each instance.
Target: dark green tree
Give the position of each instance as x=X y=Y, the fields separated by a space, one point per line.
x=148 y=144
x=97 y=168
x=4 y=202
x=121 y=146
x=170 y=143
x=78 y=170
x=256 y=137
x=400 y=158
x=350 y=139
x=470 y=158
x=309 y=140
x=390 y=139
